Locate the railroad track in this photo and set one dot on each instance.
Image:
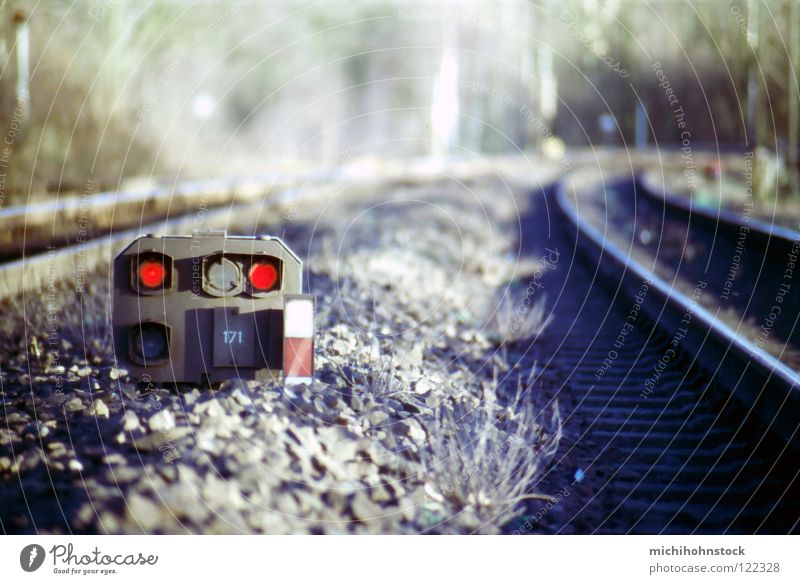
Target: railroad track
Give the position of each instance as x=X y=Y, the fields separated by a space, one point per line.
x=750 y=300
x=657 y=439
x=34 y=263
x=742 y=259
x=647 y=448
x=26 y=230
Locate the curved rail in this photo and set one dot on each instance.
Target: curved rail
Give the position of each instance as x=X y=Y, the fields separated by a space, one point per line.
x=723 y=219
x=755 y=377
x=750 y=266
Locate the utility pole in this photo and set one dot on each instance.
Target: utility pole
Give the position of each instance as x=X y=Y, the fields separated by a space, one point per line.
x=19 y=20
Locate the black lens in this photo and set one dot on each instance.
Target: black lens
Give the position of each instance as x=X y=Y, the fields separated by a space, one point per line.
x=149 y=343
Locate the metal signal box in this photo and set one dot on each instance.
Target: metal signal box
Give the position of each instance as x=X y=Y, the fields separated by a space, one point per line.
x=209 y=307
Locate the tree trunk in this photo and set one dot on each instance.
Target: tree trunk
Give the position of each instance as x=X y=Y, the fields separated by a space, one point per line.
x=22 y=49
x=793 y=135
x=445 y=106
x=752 y=132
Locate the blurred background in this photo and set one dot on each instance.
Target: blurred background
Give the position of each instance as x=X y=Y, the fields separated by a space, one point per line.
x=99 y=91
x=412 y=154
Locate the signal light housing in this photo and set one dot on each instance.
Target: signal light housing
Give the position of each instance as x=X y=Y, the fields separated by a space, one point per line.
x=229 y=301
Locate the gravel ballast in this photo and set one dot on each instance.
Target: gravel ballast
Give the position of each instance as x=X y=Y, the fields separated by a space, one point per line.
x=418 y=421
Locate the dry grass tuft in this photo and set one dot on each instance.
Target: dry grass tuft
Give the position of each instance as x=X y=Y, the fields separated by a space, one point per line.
x=482 y=462
x=518 y=320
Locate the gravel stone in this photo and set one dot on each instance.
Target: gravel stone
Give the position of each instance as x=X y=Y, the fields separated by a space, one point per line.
x=210 y=408
x=161 y=421
x=143 y=511
x=422 y=387
x=130 y=421
x=412 y=429
x=378 y=418
x=75 y=405
x=99 y=409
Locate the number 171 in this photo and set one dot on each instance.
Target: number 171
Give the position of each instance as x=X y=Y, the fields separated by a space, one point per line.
x=231 y=337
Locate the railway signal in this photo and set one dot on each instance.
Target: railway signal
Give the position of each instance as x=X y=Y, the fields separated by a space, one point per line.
x=209 y=307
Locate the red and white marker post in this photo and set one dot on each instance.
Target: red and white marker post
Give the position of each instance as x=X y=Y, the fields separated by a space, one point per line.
x=298 y=339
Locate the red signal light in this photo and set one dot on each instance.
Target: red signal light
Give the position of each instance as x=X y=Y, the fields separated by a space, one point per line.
x=152 y=274
x=262 y=276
